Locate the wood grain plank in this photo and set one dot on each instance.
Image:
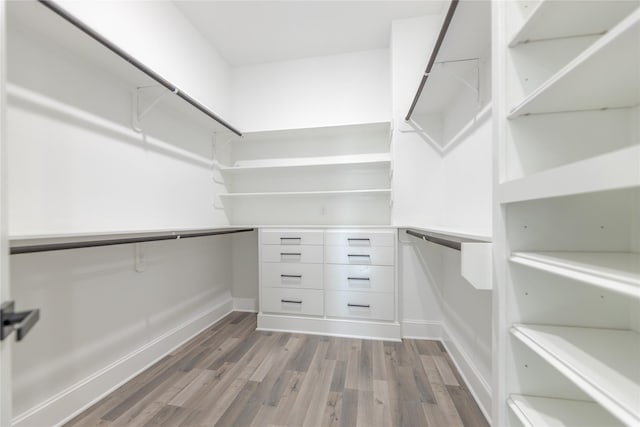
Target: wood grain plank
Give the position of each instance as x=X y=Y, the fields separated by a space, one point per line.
x=381 y=403
x=232 y=374
x=349 y=415
x=445 y=371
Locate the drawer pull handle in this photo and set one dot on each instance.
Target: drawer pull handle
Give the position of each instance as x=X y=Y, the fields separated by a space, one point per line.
x=290 y=301
x=359 y=305
x=359 y=278
x=291 y=238
x=292 y=276
x=357 y=239
x=290 y=254
x=359 y=255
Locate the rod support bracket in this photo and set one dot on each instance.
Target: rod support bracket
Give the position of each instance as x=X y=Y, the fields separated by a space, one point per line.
x=21 y=322
x=138 y=111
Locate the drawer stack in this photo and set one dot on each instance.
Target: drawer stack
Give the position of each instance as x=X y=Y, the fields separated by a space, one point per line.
x=359 y=274
x=291 y=271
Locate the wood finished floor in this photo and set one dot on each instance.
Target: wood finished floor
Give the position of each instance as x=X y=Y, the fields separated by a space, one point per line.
x=232 y=374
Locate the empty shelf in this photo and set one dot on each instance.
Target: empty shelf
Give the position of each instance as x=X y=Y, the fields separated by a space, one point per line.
x=341 y=193
x=361 y=160
x=611 y=63
x=533 y=411
x=556 y=19
x=614 y=271
x=610 y=171
x=601 y=362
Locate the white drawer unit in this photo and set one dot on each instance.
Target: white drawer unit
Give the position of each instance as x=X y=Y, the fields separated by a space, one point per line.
x=359 y=238
x=359 y=305
x=292 y=237
x=379 y=255
x=292 y=253
x=371 y=278
x=292 y=275
x=336 y=281
x=293 y=301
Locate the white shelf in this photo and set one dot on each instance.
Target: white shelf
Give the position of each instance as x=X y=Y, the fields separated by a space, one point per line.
x=535 y=411
x=456 y=233
x=600 y=77
x=611 y=171
x=604 y=363
x=356 y=160
x=340 y=193
x=557 y=19
x=614 y=271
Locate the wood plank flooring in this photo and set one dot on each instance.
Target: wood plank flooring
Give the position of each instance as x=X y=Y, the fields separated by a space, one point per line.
x=233 y=375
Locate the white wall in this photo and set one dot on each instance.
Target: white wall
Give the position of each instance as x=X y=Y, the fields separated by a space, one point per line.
x=452 y=189
x=160 y=36
x=418 y=180
x=244 y=262
x=77 y=166
x=312 y=92
x=100 y=317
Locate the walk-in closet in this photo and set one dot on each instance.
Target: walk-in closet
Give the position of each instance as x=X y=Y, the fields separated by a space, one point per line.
x=305 y=213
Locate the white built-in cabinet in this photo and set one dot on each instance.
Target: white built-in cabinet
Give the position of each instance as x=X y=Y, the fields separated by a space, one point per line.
x=567 y=220
x=336 y=281
x=327 y=175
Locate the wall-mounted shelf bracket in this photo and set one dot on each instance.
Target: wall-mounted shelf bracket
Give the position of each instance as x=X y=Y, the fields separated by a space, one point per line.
x=139 y=111
x=473 y=86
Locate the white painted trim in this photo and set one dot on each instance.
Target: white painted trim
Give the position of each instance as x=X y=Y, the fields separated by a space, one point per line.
x=65 y=405
x=421 y=329
x=478 y=386
x=388 y=331
x=249 y=305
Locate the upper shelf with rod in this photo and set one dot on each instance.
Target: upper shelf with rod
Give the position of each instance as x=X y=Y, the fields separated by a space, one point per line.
x=456 y=72
x=53 y=20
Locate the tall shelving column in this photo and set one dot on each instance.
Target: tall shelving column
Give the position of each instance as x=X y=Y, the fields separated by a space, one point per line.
x=567 y=213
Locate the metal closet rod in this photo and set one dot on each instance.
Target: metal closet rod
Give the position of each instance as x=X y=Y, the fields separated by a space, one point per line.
x=110 y=242
x=438 y=241
x=149 y=72
x=434 y=54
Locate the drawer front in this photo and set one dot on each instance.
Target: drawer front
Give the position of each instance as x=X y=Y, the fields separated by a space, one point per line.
x=380 y=255
x=359 y=305
x=292 y=254
x=371 y=278
x=291 y=275
x=292 y=237
x=360 y=238
x=293 y=301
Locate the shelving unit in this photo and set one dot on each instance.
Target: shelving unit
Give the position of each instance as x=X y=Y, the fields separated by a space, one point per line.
x=608 y=56
x=534 y=411
x=329 y=175
x=568 y=188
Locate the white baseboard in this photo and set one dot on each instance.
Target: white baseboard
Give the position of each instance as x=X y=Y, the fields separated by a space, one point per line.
x=478 y=386
x=333 y=327
x=421 y=329
x=70 y=402
x=245 y=304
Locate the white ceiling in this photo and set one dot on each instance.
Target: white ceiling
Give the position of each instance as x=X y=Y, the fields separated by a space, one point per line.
x=252 y=32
